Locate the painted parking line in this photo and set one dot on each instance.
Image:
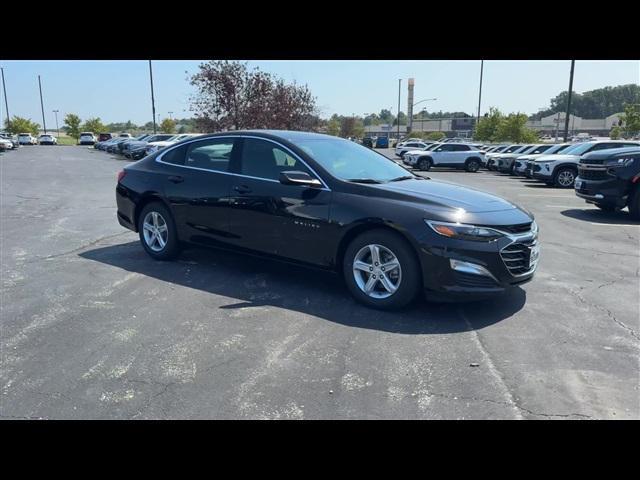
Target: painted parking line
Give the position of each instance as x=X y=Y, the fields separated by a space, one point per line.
x=616 y=224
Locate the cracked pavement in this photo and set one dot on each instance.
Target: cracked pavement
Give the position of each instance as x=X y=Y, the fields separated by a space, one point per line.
x=93 y=328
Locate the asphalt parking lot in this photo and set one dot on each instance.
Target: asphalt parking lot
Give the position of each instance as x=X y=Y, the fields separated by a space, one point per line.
x=94 y=328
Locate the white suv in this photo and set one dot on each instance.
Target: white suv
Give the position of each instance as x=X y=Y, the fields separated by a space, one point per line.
x=47 y=140
x=456 y=155
x=403 y=148
x=87 y=138
x=27 y=139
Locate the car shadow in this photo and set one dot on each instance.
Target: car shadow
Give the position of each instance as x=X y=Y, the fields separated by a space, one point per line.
x=249 y=281
x=600 y=216
x=541 y=185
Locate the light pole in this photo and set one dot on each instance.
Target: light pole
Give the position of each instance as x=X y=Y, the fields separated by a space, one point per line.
x=398 y=116
x=44 y=123
x=480 y=92
x=57 y=129
x=566 y=120
x=153 y=102
x=425 y=100
x=6 y=104
x=170 y=117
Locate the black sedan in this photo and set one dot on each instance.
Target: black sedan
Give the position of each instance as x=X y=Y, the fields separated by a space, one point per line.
x=330 y=203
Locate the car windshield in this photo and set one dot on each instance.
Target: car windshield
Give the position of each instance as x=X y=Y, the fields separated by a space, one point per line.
x=349 y=161
x=557 y=149
x=513 y=148
x=578 y=149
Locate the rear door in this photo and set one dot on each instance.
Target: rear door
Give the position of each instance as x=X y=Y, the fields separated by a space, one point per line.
x=442 y=155
x=196 y=184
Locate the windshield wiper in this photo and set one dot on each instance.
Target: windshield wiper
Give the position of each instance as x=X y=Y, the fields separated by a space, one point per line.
x=363 y=180
x=405 y=177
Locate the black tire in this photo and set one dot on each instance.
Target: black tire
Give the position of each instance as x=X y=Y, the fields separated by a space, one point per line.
x=561 y=174
x=606 y=208
x=424 y=164
x=472 y=165
x=410 y=280
x=171 y=248
x=634 y=204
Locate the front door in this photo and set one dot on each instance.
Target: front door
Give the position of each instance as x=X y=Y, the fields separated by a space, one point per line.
x=270 y=217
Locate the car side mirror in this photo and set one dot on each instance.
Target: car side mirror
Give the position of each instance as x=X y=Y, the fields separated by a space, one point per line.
x=295 y=177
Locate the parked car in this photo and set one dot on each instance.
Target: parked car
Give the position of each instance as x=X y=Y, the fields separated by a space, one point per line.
x=491 y=158
x=610 y=179
x=382 y=142
x=112 y=147
x=505 y=162
x=103 y=137
x=11 y=138
x=125 y=135
x=103 y=145
x=403 y=148
x=27 y=139
x=143 y=142
x=561 y=170
x=47 y=140
x=367 y=142
x=521 y=163
x=391 y=234
x=455 y=155
x=5 y=144
x=87 y=138
x=154 y=146
x=129 y=143
x=410 y=157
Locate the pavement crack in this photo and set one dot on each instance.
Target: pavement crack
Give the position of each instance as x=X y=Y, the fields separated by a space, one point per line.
x=565 y=246
x=78 y=249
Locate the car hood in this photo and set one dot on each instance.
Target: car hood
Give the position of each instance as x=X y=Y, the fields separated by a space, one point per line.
x=559 y=157
x=439 y=195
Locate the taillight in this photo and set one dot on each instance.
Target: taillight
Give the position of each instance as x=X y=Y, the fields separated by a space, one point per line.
x=121 y=175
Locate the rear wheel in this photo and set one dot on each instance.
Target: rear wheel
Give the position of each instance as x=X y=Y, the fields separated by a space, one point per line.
x=381 y=271
x=424 y=164
x=472 y=165
x=157 y=232
x=565 y=177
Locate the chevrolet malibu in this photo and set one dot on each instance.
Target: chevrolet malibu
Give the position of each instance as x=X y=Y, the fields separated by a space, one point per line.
x=326 y=202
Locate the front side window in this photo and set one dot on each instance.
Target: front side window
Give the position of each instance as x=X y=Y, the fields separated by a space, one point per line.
x=213 y=154
x=348 y=161
x=264 y=159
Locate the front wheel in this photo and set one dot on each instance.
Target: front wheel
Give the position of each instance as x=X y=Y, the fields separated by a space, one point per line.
x=381 y=271
x=565 y=178
x=157 y=232
x=424 y=164
x=606 y=208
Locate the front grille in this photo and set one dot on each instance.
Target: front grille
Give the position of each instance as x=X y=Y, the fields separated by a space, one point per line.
x=587 y=161
x=516 y=256
x=593 y=174
x=519 y=228
x=470 y=280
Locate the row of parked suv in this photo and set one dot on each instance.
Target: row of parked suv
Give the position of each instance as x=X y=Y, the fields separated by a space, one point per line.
x=138 y=147
x=424 y=155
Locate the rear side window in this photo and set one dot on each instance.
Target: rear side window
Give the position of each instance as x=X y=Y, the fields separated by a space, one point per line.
x=263 y=159
x=461 y=148
x=212 y=154
x=175 y=156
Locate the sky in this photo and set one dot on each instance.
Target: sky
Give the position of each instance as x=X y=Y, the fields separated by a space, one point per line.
x=117 y=91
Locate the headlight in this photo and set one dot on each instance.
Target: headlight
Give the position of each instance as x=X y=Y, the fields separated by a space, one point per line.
x=621 y=162
x=465 y=232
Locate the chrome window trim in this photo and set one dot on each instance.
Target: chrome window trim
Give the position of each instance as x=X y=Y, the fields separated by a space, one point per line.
x=168 y=149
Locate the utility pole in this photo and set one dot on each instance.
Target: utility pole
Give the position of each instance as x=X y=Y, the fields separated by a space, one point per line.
x=480 y=92
x=57 y=129
x=566 y=120
x=398 y=116
x=153 y=102
x=170 y=117
x=44 y=123
x=6 y=103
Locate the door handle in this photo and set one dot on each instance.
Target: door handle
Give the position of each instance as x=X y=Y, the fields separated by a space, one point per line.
x=242 y=189
x=175 y=179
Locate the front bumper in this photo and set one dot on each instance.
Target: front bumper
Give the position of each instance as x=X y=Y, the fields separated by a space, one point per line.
x=466 y=270
x=611 y=191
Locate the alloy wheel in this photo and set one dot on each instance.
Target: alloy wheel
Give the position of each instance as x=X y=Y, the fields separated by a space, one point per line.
x=377 y=271
x=155 y=230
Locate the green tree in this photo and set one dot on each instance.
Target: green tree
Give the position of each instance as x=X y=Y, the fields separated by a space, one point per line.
x=72 y=122
x=21 y=125
x=513 y=128
x=614 y=134
x=168 y=126
x=94 y=125
x=333 y=126
x=487 y=128
x=631 y=120
x=434 y=136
